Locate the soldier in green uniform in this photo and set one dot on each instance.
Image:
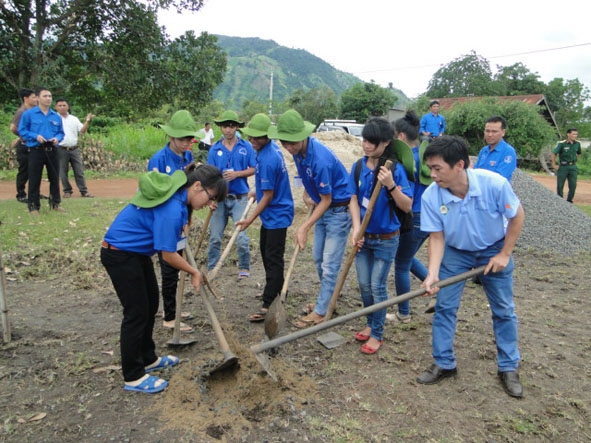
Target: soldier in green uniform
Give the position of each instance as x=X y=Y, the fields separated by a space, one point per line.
x=568 y=151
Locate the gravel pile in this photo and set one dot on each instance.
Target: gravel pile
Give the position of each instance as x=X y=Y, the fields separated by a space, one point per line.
x=551 y=224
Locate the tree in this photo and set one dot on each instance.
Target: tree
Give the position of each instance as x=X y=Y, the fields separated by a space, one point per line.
x=194 y=66
x=469 y=75
x=315 y=104
x=518 y=80
x=567 y=100
x=527 y=130
x=364 y=100
x=84 y=47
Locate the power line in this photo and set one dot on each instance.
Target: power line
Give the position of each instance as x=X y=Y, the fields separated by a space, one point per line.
x=432 y=65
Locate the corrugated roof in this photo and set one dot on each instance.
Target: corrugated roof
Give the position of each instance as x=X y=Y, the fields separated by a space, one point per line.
x=533 y=99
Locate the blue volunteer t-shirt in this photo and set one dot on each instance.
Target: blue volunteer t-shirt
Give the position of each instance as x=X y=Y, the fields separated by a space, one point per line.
x=34 y=122
x=322 y=173
x=475 y=222
x=502 y=159
x=271 y=175
x=383 y=220
x=147 y=231
x=241 y=157
x=167 y=161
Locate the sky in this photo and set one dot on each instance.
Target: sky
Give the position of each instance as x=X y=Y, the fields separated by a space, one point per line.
x=405 y=43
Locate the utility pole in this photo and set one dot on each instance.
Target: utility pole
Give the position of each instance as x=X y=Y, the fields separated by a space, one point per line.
x=271 y=95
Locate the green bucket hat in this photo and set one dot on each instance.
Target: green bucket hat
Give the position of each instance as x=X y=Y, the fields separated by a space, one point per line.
x=424 y=172
x=228 y=116
x=291 y=127
x=405 y=156
x=155 y=188
x=257 y=126
x=181 y=125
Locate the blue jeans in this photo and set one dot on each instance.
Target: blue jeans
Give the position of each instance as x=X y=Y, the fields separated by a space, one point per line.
x=219 y=220
x=406 y=262
x=499 y=291
x=373 y=264
x=330 y=240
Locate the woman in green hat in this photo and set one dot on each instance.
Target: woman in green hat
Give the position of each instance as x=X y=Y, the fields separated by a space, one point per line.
x=175 y=156
x=153 y=222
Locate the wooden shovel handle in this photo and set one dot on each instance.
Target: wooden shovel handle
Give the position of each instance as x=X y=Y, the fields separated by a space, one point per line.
x=224 y=347
x=283 y=293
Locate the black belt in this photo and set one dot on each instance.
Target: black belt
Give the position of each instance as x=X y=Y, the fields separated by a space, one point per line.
x=69 y=148
x=337 y=204
x=106 y=245
x=47 y=146
x=235 y=196
x=567 y=163
x=387 y=236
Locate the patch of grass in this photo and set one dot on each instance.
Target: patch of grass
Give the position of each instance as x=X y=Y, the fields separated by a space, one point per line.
x=585 y=208
x=46 y=246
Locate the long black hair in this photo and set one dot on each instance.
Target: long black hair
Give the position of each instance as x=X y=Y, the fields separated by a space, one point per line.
x=209 y=176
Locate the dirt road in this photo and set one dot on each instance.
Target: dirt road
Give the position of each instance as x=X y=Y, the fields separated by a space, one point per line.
x=114 y=188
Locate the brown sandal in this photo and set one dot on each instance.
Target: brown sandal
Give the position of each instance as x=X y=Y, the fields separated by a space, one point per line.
x=258 y=317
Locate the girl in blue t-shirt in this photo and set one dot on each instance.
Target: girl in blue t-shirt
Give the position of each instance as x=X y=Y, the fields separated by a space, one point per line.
x=153 y=222
x=377 y=247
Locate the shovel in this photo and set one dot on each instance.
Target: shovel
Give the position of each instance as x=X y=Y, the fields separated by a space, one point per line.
x=277 y=315
x=211 y=275
x=176 y=334
x=230 y=360
x=265 y=346
x=354 y=250
x=6 y=333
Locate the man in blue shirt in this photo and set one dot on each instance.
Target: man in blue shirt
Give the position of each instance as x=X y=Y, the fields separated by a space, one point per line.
x=175 y=156
x=274 y=206
x=432 y=123
x=326 y=183
x=236 y=159
x=42 y=129
x=498 y=156
x=464 y=212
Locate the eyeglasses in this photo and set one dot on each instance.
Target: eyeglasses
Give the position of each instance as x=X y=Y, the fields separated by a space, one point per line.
x=229 y=125
x=211 y=199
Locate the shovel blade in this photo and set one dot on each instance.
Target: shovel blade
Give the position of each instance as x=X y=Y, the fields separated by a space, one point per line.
x=180 y=342
x=230 y=361
x=331 y=340
x=276 y=318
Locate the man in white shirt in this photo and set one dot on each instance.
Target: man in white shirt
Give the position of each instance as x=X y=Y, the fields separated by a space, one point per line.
x=68 y=149
x=207 y=140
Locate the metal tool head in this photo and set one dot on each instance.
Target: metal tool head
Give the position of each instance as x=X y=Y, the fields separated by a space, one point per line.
x=331 y=340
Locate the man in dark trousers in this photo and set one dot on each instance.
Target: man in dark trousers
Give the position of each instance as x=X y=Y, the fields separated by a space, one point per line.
x=29 y=100
x=569 y=151
x=42 y=129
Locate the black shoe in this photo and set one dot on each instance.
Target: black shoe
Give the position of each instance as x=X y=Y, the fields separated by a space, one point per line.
x=435 y=374
x=22 y=199
x=511 y=384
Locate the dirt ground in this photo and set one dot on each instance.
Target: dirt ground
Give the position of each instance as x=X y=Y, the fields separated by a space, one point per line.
x=60 y=378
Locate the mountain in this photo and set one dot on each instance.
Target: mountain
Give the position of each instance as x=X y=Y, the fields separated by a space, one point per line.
x=251 y=61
